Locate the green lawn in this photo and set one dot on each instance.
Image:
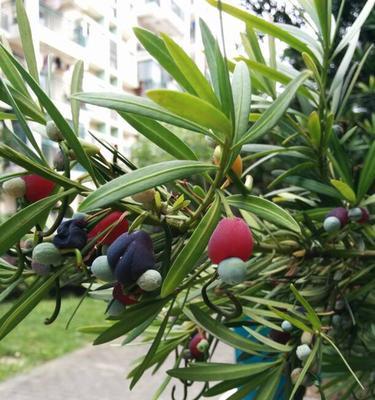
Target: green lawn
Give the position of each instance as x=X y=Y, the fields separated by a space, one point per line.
x=33 y=342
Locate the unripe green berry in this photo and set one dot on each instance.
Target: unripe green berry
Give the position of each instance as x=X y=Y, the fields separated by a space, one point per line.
x=355 y=214
x=286 y=326
x=149 y=280
x=15 y=187
x=232 y=271
x=331 y=224
x=53 y=132
x=46 y=253
x=101 y=269
x=303 y=351
x=202 y=346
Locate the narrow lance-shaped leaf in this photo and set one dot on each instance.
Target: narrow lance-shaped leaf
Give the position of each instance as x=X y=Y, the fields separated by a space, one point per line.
x=218 y=70
x=262 y=25
x=241 y=88
x=136 y=105
x=142 y=179
x=313 y=124
x=223 y=333
x=75 y=87
x=273 y=113
x=151 y=352
x=194 y=109
x=191 y=72
x=22 y=309
x=346 y=191
x=161 y=136
x=133 y=317
x=12 y=74
x=311 y=314
x=30 y=165
x=15 y=227
x=192 y=251
x=204 y=372
x=27 y=40
x=265 y=209
x=367 y=176
x=352 y=31
x=22 y=121
x=55 y=114
x=157 y=48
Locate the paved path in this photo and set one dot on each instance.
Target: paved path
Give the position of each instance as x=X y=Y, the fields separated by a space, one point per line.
x=95 y=373
x=92 y=373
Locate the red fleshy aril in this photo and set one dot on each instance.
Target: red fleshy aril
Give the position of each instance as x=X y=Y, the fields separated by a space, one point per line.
x=119 y=295
x=37 y=187
x=117 y=230
x=231 y=238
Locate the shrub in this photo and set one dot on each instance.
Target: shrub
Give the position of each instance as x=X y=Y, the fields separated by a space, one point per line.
x=303 y=277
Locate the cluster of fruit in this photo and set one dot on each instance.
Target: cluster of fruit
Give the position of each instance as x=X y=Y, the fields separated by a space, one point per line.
x=337 y=218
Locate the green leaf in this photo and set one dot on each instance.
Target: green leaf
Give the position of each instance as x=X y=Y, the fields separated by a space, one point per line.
x=27 y=40
x=267 y=341
x=138 y=372
x=193 y=249
x=367 y=176
x=28 y=302
x=205 y=372
x=59 y=120
x=266 y=210
x=324 y=11
x=313 y=186
x=191 y=72
x=274 y=112
x=297 y=168
x=142 y=179
x=12 y=74
x=194 y=109
x=32 y=166
x=294 y=321
x=273 y=74
x=26 y=104
x=22 y=121
x=353 y=81
x=15 y=227
x=223 y=333
x=346 y=191
x=340 y=159
x=157 y=48
x=218 y=70
x=161 y=136
x=262 y=25
x=137 y=105
x=267 y=390
x=311 y=314
x=305 y=368
x=356 y=27
x=313 y=124
x=131 y=318
x=241 y=88
x=75 y=87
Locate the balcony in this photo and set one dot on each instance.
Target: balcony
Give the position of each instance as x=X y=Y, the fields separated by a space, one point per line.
x=80 y=38
x=162 y=16
x=8 y=21
x=95 y=9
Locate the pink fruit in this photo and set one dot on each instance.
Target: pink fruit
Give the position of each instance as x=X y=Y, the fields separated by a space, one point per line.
x=37 y=187
x=231 y=238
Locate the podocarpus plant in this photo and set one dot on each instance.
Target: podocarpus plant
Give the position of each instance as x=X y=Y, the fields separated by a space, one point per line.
x=295 y=250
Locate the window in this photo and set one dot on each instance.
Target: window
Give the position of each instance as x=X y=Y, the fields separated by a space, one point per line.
x=113 y=54
x=151 y=75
